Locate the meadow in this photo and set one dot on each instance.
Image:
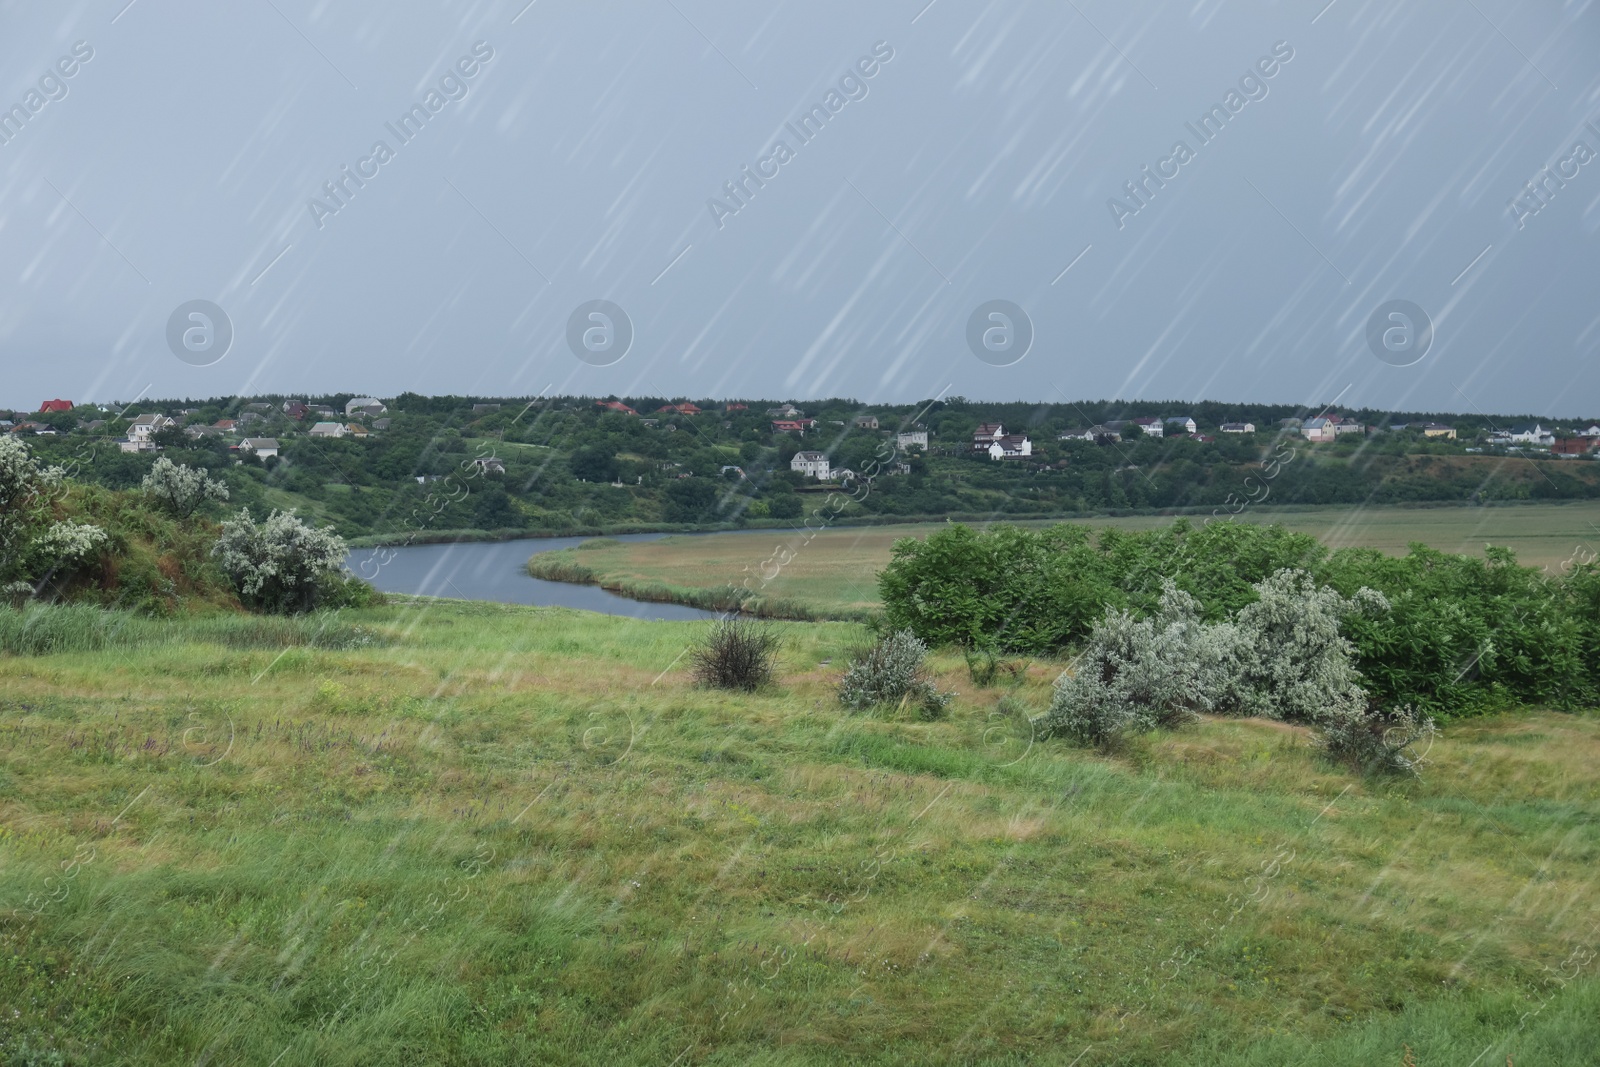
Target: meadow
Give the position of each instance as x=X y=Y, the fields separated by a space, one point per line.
x=449 y=832
x=833 y=572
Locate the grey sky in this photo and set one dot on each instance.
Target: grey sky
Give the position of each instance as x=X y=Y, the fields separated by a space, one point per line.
x=975 y=164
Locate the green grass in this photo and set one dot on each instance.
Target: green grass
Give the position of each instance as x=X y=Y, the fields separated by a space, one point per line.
x=832 y=573
x=497 y=834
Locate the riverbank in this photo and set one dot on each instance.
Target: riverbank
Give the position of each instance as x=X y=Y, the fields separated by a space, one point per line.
x=832 y=573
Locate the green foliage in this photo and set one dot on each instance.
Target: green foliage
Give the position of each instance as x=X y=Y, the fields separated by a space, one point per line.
x=280 y=565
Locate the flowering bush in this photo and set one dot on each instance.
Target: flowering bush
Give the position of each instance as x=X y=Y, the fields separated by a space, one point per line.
x=281 y=564
x=892 y=672
x=35 y=549
x=181 y=489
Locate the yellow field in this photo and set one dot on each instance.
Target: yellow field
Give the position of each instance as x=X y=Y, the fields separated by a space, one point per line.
x=836 y=569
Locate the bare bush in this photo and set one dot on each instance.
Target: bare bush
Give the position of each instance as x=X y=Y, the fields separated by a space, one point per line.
x=736 y=653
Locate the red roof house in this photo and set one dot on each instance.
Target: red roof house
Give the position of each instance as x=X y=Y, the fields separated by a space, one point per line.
x=56 y=405
x=680 y=409
x=616 y=405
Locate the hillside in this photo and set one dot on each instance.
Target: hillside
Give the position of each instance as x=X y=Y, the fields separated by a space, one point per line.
x=479 y=834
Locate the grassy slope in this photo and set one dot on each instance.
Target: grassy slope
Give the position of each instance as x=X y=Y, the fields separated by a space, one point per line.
x=518 y=835
x=836 y=571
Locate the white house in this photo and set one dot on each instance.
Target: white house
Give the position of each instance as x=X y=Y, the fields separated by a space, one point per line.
x=1319 y=429
x=1181 y=424
x=1593 y=430
x=811 y=464
x=1238 y=427
x=1532 y=434
x=328 y=429
x=364 y=405
x=1076 y=435
x=1343 y=425
x=1011 y=446
x=1152 y=426
x=147 y=426
x=910 y=438
x=261 y=446
x=985 y=435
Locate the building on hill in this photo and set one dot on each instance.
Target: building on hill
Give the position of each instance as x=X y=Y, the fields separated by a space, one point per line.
x=1319 y=429
x=736 y=407
x=1150 y=426
x=1592 y=430
x=985 y=435
x=145 y=427
x=364 y=405
x=678 y=409
x=489 y=465
x=616 y=405
x=1180 y=424
x=912 y=439
x=328 y=429
x=380 y=424
x=1438 y=429
x=811 y=464
x=295 y=409
x=797 y=426
x=1532 y=433
x=1238 y=427
x=783 y=411
x=866 y=422
x=55 y=406
x=262 y=447
x=1011 y=446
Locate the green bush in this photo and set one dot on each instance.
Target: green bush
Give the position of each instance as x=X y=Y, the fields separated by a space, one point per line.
x=892 y=672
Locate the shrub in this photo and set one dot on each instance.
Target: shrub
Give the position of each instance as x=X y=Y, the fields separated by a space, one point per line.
x=280 y=565
x=1294 y=663
x=737 y=654
x=890 y=672
x=36 y=550
x=1376 y=744
x=180 y=489
x=1137 y=674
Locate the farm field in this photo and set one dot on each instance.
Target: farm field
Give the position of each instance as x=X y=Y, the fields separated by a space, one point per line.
x=474 y=833
x=835 y=571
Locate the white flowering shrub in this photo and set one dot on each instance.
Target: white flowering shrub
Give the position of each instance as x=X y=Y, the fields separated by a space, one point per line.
x=1296 y=665
x=35 y=550
x=181 y=489
x=892 y=672
x=1137 y=674
x=1378 y=744
x=280 y=564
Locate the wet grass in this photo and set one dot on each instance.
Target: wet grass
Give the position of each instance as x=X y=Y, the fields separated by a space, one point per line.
x=501 y=834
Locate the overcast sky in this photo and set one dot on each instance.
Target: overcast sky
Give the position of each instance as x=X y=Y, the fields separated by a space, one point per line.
x=185 y=159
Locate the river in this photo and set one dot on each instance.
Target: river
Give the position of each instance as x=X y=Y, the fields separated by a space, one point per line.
x=498 y=571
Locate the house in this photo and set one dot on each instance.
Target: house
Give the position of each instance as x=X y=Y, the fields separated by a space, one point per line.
x=1319 y=429
x=678 y=409
x=1572 y=447
x=197 y=432
x=258 y=407
x=1180 y=424
x=985 y=435
x=1011 y=446
x=912 y=438
x=1291 y=423
x=249 y=417
x=1151 y=426
x=356 y=429
x=866 y=422
x=295 y=409
x=1438 y=429
x=1077 y=435
x=784 y=411
x=1343 y=426
x=616 y=405
x=224 y=425
x=799 y=426
x=1203 y=438
x=726 y=467
x=364 y=405
x=1531 y=434
x=1238 y=427
x=841 y=474
x=380 y=424
x=489 y=465
x=145 y=427
x=811 y=464
x=135 y=444
x=328 y=429
x=1592 y=430
x=262 y=447
x=484 y=409
x=736 y=407
x=54 y=406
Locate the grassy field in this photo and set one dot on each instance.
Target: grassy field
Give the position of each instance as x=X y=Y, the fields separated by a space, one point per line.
x=834 y=571
x=470 y=833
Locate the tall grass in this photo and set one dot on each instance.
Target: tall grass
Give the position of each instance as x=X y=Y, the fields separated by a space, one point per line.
x=47 y=629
